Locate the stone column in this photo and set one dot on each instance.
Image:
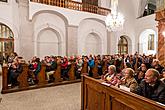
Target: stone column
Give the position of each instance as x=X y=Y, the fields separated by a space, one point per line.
x=161 y=42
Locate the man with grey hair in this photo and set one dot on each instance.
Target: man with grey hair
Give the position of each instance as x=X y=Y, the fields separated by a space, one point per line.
x=151 y=87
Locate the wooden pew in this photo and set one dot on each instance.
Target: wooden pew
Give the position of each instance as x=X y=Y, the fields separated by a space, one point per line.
x=41 y=76
x=96 y=96
x=57 y=73
x=22 y=78
x=4 y=78
x=84 y=67
x=104 y=68
x=71 y=72
x=95 y=69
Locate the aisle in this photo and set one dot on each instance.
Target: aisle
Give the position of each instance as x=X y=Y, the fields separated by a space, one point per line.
x=64 y=97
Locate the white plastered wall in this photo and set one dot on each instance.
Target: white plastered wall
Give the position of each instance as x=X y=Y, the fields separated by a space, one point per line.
x=25 y=27
x=47 y=20
x=87 y=27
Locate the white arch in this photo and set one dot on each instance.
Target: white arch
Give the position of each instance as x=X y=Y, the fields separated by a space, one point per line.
x=83 y=37
x=95 y=45
x=15 y=31
x=60 y=34
x=143 y=42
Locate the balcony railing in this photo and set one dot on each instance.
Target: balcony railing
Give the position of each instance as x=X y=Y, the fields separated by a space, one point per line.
x=75 y=6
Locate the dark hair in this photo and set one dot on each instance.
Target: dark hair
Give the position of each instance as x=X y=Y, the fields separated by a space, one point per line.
x=37 y=60
x=162 y=71
x=128 y=65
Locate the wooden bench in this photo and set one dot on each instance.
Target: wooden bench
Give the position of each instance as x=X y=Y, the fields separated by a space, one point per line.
x=22 y=78
x=71 y=72
x=84 y=67
x=4 y=78
x=95 y=70
x=57 y=73
x=41 y=76
x=96 y=96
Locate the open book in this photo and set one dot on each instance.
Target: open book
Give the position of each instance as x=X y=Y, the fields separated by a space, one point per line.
x=123 y=87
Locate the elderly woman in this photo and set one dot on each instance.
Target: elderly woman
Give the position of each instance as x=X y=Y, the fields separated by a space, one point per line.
x=112 y=77
x=128 y=80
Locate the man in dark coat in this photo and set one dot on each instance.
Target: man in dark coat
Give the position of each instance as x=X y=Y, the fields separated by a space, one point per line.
x=151 y=87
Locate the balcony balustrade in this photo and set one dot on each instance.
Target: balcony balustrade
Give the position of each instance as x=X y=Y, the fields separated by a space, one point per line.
x=75 y=6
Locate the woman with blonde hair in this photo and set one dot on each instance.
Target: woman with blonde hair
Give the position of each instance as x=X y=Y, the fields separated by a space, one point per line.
x=128 y=80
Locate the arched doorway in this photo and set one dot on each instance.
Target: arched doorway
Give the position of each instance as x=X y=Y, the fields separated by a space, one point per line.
x=6 y=40
x=123 y=45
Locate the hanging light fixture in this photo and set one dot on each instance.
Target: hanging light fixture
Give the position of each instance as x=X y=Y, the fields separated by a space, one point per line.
x=114 y=20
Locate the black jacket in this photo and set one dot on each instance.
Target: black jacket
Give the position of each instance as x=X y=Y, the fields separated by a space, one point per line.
x=156 y=92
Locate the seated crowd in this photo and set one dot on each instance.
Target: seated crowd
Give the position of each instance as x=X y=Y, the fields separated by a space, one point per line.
x=142 y=74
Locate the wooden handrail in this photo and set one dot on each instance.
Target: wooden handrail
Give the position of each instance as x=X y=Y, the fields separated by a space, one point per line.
x=75 y=6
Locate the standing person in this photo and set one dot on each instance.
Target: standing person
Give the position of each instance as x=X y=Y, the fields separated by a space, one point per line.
x=151 y=87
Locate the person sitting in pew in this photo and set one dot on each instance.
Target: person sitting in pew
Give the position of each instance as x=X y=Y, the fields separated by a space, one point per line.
x=91 y=64
x=128 y=80
x=141 y=72
x=79 y=63
x=37 y=69
x=152 y=87
x=64 y=68
x=51 y=66
x=163 y=74
x=15 y=69
x=112 y=77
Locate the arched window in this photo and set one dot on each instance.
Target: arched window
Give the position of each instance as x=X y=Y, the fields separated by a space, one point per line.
x=6 y=40
x=123 y=45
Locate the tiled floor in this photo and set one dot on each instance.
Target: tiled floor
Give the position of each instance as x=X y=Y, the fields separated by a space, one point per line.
x=65 y=97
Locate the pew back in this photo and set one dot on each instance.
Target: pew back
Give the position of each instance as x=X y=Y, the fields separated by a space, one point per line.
x=96 y=96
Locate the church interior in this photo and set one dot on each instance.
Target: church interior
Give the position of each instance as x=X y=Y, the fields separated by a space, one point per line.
x=82 y=54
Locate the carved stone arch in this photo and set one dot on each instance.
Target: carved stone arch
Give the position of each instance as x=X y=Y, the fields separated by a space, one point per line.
x=84 y=30
x=92 y=44
x=83 y=40
x=62 y=45
x=51 y=12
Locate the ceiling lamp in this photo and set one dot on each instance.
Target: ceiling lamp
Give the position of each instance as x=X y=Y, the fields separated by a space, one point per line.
x=114 y=20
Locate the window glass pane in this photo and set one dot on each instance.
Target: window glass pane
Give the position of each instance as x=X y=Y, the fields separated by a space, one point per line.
x=6 y=40
x=151 y=42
